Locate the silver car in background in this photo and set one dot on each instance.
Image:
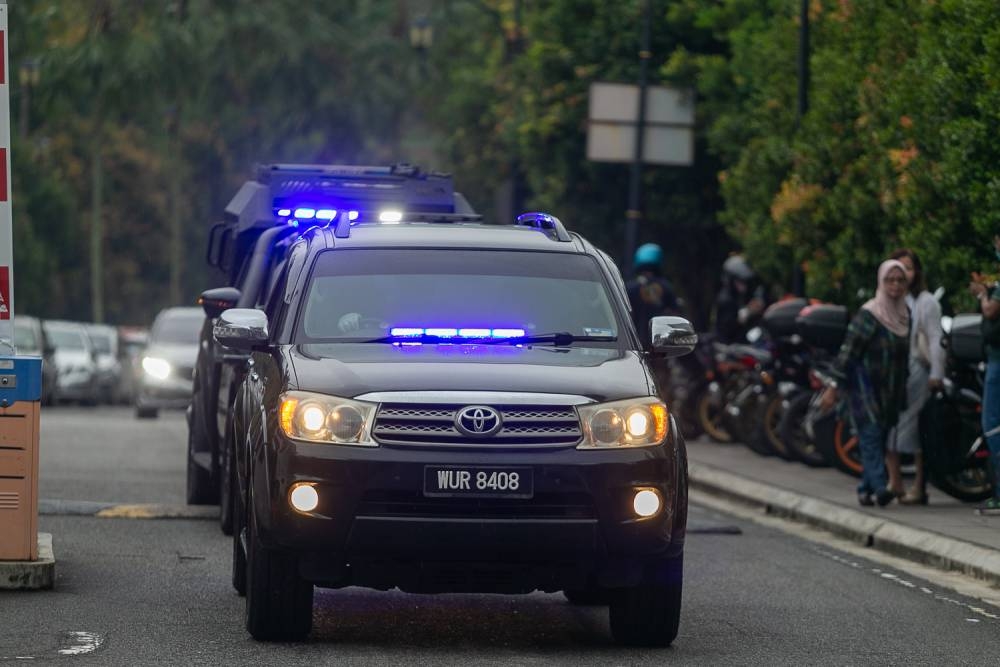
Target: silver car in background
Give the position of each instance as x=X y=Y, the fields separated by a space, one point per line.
x=168 y=362
x=75 y=360
x=109 y=367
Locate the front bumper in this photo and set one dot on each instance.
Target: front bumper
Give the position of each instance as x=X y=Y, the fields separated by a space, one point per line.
x=169 y=393
x=375 y=527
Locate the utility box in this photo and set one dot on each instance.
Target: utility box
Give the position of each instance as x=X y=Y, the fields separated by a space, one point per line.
x=20 y=398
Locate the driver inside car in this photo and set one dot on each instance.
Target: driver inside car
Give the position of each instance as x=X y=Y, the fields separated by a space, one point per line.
x=350 y=323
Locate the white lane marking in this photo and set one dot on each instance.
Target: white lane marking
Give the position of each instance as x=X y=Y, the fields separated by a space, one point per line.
x=896 y=579
x=947 y=580
x=85 y=642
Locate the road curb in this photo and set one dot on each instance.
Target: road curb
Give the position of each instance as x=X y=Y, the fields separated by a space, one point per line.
x=31 y=575
x=885 y=535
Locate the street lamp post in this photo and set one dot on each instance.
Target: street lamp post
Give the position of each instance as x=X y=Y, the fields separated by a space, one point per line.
x=634 y=213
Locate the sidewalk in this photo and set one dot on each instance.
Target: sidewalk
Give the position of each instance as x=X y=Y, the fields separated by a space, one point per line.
x=945 y=533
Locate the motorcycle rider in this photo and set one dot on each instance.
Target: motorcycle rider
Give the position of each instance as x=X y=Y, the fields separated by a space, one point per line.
x=649 y=292
x=740 y=302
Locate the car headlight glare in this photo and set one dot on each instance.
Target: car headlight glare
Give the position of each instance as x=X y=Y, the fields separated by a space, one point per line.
x=326 y=419
x=639 y=422
x=157 y=368
x=312 y=418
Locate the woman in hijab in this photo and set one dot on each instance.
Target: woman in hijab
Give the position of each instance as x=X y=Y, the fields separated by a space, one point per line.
x=927 y=359
x=872 y=367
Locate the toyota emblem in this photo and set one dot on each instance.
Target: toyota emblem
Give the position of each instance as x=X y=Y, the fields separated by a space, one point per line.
x=478 y=420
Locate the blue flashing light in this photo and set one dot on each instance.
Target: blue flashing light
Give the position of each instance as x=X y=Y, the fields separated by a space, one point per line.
x=449 y=332
x=284 y=212
x=305 y=213
x=405 y=331
x=507 y=333
x=326 y=214
x=353 y=215
x=474 y=333
x=442 y=333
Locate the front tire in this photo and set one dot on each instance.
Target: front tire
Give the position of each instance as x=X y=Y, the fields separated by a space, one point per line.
x=279 y=601
x=649 y=614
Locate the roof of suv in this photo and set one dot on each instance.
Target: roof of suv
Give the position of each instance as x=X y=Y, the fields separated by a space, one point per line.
x=456 y=235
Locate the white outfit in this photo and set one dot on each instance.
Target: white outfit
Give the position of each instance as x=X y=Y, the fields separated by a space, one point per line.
x=925 y=316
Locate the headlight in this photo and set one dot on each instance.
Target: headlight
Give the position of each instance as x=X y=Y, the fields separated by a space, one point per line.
x=637 y=422
x=158 y=368
x=327 y=419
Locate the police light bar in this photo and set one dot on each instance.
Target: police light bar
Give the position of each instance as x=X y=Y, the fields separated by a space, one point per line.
x=454 y=332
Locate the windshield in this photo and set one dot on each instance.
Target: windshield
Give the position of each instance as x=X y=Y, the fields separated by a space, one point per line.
x=101 y=341
x=25 y=338
x=66 y=339
x=178 y=328
x=362 y=294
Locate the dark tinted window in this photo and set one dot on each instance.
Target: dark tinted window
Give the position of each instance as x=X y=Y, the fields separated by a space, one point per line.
x=383 y=288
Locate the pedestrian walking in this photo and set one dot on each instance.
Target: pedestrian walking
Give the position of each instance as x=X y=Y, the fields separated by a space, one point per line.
x=871 y=367
x=926 y=373
x=988 y=297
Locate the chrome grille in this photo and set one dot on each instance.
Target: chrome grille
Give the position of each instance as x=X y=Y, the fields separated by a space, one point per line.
x=434 y=425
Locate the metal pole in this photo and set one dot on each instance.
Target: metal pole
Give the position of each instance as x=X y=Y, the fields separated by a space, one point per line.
x=634 y=213
x=798 y=278
x=6 y=209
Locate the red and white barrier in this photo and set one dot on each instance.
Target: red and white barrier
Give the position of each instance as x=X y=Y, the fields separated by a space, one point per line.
x=6 y=219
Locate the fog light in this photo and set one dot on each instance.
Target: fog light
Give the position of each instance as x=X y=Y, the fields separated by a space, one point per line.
x=646 y=502
x=304 y=497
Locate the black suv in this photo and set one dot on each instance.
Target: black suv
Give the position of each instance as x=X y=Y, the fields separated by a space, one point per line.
x=445 y=406
x=250 y=248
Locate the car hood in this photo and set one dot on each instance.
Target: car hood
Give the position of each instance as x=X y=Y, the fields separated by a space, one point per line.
x=346 y=369
x=185 y=355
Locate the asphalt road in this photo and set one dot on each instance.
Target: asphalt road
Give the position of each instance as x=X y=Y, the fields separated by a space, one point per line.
x=135 y=592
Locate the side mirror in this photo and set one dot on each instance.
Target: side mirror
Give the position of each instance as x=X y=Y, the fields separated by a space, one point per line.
x=214 y=301
x=241 y=329
x=672 y=336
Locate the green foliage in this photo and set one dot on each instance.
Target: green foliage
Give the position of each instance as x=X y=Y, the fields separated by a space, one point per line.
x=897 y=147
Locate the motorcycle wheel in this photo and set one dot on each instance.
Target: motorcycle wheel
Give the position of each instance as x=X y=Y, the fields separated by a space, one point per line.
x=971 y=484
x=792 y=431
x=847 y=452
x=710 y=417
x=745 y=412
x=774 y=409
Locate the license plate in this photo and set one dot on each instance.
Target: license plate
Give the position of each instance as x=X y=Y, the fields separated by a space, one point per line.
x=478 y=482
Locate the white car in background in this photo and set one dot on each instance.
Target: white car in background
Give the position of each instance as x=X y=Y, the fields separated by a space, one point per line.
x=75 y=359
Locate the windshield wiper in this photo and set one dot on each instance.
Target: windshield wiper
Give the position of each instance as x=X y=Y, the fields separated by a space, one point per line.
x=558 y=339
